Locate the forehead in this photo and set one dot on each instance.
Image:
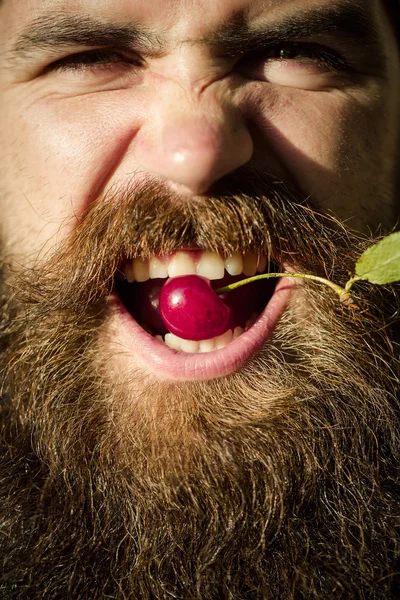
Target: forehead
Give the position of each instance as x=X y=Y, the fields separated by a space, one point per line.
x=156 y=27
x=189 y=17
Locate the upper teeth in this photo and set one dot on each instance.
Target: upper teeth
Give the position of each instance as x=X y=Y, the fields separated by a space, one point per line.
x=193 y=262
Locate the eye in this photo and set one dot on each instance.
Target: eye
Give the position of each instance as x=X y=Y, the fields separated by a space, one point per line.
x=307 y=53
x=93 y=60
x=295 y=64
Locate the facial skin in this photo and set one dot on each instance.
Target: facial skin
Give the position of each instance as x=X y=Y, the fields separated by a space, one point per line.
x=276 y=479
x=189 y=116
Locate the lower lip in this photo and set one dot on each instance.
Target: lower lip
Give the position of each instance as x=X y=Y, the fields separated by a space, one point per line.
x=165 y=363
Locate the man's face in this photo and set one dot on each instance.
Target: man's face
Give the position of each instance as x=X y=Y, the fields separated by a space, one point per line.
x=146 y=129
x=94 y=93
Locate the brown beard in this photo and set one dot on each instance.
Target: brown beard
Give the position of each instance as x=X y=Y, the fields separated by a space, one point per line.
x=277 y=482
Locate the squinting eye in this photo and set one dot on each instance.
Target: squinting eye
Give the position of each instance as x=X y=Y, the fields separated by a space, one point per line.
x=92 y=60
x=293 y=64
x=303 y=52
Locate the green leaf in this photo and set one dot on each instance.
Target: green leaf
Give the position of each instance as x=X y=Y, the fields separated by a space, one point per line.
x=380 y=263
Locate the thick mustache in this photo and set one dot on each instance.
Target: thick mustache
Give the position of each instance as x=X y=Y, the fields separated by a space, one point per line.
x=250 y=211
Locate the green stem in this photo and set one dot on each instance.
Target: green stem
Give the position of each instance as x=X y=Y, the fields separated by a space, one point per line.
x=342 y=292
x=351 y=282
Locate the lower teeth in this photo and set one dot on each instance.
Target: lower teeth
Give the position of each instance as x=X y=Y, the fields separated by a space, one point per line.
x=217 y=343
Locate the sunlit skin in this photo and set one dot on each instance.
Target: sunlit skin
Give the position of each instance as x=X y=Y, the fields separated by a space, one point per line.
x=189 y=115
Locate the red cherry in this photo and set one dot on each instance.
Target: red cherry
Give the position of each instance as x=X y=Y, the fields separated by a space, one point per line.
x=192 y=310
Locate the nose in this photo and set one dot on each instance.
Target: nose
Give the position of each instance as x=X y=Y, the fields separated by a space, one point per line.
x=194 y=147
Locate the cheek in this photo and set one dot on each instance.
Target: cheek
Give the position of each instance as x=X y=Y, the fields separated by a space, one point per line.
x=304 y=128
x=334 y=144
x=62 y=154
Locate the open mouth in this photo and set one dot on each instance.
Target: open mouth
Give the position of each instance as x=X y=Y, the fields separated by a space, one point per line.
x=139 y=328
x=141 y=282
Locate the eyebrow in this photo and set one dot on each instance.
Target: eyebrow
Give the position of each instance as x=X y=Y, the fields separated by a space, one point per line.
x=350 y=20
x=55 y=31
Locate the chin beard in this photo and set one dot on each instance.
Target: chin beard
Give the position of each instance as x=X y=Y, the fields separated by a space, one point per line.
x=277 y=482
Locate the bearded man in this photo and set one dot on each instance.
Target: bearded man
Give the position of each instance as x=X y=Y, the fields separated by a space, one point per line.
x=143 y=141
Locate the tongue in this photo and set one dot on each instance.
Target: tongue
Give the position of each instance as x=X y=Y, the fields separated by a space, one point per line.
x=198 y=316
x=143 y=301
